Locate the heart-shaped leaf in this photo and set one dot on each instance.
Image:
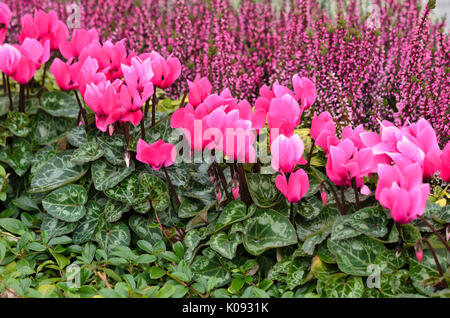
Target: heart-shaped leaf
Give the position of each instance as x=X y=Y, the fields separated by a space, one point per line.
x=87 y=225
x=111 y=235
x=18 y=156
x=18 y=123
x=87 y=152
x=263 y=190
x=43 y=129
x=57 y=172
x=225 y=245
x=342 y=228
x=208 y=266
x=157 y=190
x=113 y=147
x=371 y=221
x=66 y=203
x=60 y=104
x=355 y=255
x=114 y=210
x=309 y=208
x=77 y=136
x=55 y=227
x=126 y=191
x=106 y=175
x=268 y=229
x=235 y=211
x=145 y=229
x=343 y=286
x=189 y=207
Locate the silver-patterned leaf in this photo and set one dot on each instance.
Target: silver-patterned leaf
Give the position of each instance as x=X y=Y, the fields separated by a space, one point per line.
x=18 y=123
x=113 y=147
x=86 y=153
x=126 y=191
x=111 y=235
x=114 y=210
x=66 y=203
x=17 y=156
x=60 y=104
x=57 y=172
x=224 y=244
x=87 y=225
x=105 y=175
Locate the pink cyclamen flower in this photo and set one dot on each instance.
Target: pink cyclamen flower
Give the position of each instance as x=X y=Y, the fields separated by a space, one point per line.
x=287 y=152
x=42 y=27
x=9 y=59
x=5 y=18
x=284 y=114
x=323 y=127
x=338 y=157
x=199 y=89
x=235 y=192
x=63 y=75
x=81 y=38
x=323 y=195
x=305 y=91
x=445 y=163
x=295 y=188
x=138 y=78
x=165 y=71
x=402 y=191
x=156 y=154
x=103 y=99
x=131 y=106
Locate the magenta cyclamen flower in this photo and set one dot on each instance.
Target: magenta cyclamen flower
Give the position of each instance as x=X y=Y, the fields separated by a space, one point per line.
x=284 y=114
x=44 y=26
x=305 y=91
x=287 y=152
x=295 y=188
x=165 y=71
x=323 y=128
x=156 y=154
x=80 y=39
x=63 y=75
x=199 y=89
x=445 y=163
x=138 y=78
x=5 y=18
x=402 y=191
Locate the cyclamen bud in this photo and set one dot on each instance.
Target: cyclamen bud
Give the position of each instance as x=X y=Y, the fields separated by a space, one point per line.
x=323 y=195
x=235 y=187
x=235 y=192
x=218 y=193
x=127 y=157
x=111 y=129
x=447 y=232
x=419 y=251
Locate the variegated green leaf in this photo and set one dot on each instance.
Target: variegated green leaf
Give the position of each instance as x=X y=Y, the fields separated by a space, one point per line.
x=87 y=152
x=189 y=207
x=77 y=136
x=324 y=221
x=66 y=203
x=57 y=172
x=427 y=269
x=342 y=228
x=43 y=129
x=106 y=175
x=233 y=212
x=224 y=244
x=114 y=148
x=126 y=191
x=209 y=266
x=17 y=156
x=262 y=189
x=157 y=190
x=371 y=221
x=60 y=104
x=343 y=286
x=111 y=235
x=309 y=208
x=87 y=225
x=18 y=123
x=355 y=255
x=114 y=210
x=268 y=229
x=145 y=229
x=55 y=227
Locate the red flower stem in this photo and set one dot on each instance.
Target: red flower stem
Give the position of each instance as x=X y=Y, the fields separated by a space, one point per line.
x=83 y=112
x=291 y=214
x=183 y=100
x=356 y=193
x=438 y=265
x=8 y=84
x=174 y=193
x=336 y=198
x=22 y=99
x=221 y=176
x=5 y=87
x=343 y=200
x=154 y=104
x=310 y=156
x=45 y=72
x=126 y=132
x=435 y=232
x=142 y=128
x=243 y=185
x=147 y=106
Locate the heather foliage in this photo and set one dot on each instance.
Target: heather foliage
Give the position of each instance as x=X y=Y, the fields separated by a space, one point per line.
x=391 y=63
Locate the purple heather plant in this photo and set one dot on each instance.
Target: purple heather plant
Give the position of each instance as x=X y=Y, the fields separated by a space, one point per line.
x=392 y=63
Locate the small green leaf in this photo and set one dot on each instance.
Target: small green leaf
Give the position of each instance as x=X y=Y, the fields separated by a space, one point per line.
x=225 y=245
x=106 y=176
x=66 y=203
x=87 y=152
x=341 y=286
x=263 y=190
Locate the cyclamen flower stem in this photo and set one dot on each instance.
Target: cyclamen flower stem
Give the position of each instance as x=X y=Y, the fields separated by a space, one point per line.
x=142 y=128
x=146 y=108
x=291 y=214
x=310 y=156
x=435 y=232
x=174 y=192
x=8 y=84
x=5 y=88
x=221 y=176
x=356 y=194
x=243 y=184
x=126 y=132
x=336 y=198
x=154 y=104
x=183 y=100
x=160 y=225
x=82 y=111
x=438 y=265
x=45 y=72
x=22 y=99
x=343 y=199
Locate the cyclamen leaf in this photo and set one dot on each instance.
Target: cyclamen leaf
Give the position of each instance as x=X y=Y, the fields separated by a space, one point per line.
x=106 y=176
x=18 y=123
x=225 y=245
x=87 y=152
x=87 y=225
x=263 y=190
x=126 y=191
x=113 y=147
x=55 y=227
x=66 y=203
x=341 y=286
x=109 y=236
x=233 y=212
x=18 y=156
x=114 y=210
x=57 y=172
x=60 y=104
